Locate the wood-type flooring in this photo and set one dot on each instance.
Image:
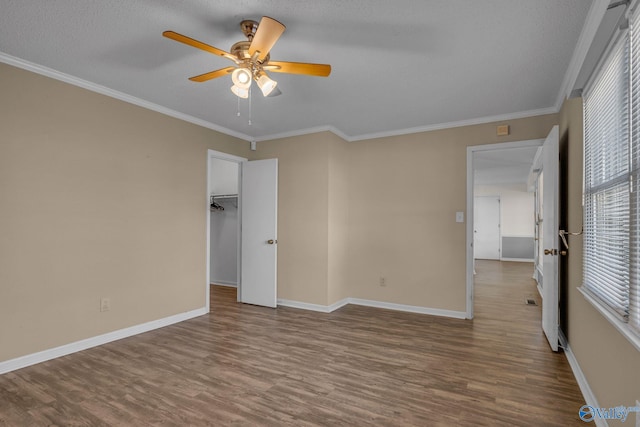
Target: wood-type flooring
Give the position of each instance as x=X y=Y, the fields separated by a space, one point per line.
x=244 y=365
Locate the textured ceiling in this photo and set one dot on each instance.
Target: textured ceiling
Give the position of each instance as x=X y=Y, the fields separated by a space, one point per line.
x=501 y=167
x=398 y=66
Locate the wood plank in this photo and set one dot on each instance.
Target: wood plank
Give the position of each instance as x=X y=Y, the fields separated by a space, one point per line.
x=249 y=365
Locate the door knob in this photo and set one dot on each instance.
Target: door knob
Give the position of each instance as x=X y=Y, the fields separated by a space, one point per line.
x=551 y=252
x=272 y=241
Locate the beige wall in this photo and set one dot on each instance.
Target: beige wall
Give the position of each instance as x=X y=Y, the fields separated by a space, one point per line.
x=313 y=206
x=350 y=213
x=610 y=363
x=338 y=219
x=98 y=198
x=303 y=219
x=404 y=192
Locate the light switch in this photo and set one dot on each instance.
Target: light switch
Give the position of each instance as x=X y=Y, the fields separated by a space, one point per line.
x=459 y=216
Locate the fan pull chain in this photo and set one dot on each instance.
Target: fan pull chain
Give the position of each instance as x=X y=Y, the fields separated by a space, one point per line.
x=238 y=111
x=250 y=105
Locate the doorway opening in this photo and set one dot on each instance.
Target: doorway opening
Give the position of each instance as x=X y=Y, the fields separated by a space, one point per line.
x=244 y=240
x=501 y=231
x=223 y=221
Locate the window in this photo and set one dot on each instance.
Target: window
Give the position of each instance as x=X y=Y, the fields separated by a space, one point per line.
x=612 y=182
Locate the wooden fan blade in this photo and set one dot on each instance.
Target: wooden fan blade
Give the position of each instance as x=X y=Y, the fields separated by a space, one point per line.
x=321 y=70
x=268 y=32
x=212 y=74
x=198 y=45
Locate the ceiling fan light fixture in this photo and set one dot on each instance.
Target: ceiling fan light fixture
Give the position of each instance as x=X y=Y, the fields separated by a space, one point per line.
x=240 y=92
x=241 y=78
x=266 y=84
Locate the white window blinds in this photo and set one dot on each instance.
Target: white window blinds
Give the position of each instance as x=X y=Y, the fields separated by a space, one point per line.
x=634 y=200
x=611 y=182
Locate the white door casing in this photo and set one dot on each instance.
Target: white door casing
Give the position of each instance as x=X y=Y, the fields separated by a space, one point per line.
x=486 y=223
x=259 y=201
x=550 y=213
x=471 y=152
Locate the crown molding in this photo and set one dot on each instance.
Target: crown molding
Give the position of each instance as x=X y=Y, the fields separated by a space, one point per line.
x=307 y=131
x=408 y=131
x=589 y=30
x=456 y=124
x=103 y=90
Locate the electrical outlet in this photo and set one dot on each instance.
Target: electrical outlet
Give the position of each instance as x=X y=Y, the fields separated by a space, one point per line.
x=105 y=304
x=383 y=281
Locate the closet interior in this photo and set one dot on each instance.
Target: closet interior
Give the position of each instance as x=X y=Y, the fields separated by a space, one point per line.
x=224 y=226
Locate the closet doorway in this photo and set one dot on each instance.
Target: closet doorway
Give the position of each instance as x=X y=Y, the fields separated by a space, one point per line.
x=223 y=192
x=242 y=219
x=224 y=222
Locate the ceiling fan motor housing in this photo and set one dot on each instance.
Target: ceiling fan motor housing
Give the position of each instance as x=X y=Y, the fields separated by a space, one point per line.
x=249 y=28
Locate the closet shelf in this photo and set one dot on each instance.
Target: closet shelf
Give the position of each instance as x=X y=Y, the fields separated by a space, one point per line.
x=225 y=196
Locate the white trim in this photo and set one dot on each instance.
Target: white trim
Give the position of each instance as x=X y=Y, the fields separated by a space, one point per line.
x=409 y=308
x=517 y=259
x=63 y=350
x=412 y=130
x=621 y=326
x=339 y=304
x=207 y=291
x=587 y=393
x=457 y=124
x=594 y=18
x=103 y=90
x=312 y=307
x=224 y=283
x=85 y=84
x=225 y=156
x=470 y=200
x=470 y=258
x=371 y=303
x=307 y=131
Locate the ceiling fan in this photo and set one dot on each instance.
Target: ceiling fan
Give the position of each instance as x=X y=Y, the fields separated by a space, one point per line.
x=251 y=58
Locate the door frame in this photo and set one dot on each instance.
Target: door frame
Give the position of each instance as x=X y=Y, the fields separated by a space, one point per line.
x=470 y=199
x=212 y=154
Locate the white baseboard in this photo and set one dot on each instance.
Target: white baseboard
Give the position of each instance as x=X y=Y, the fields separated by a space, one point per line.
x=224 y=283
x=313 y=307
x=63 y=350
x=589 y=397
x=371 y=303
x=339 y=304
x=409 y=308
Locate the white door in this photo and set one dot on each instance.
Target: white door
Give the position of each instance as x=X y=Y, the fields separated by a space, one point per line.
x=550 y=189
x=486 y=223
x=259 y=202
